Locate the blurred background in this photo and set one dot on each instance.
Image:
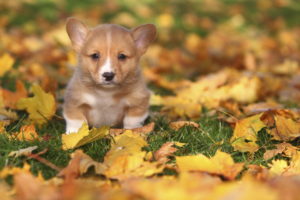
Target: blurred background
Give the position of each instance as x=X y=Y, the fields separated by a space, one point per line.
x=195 y=37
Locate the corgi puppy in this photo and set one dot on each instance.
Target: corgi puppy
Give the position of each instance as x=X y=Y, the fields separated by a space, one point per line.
x=107 y=87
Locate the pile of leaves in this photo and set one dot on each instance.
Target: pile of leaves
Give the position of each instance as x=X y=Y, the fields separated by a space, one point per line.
x=225 y=119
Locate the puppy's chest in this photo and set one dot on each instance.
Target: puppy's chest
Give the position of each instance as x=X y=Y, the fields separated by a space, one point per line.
x=104 y=108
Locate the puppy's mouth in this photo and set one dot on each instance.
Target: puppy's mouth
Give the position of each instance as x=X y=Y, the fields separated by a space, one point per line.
x=108 y=84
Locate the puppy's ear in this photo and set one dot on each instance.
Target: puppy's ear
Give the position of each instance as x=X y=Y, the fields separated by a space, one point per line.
x=77 y=32
x=143 y=35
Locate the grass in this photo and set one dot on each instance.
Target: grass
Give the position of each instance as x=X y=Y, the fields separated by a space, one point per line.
x=207 y=139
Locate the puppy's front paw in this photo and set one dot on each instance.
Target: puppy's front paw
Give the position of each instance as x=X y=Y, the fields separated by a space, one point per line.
x=131 y=122
x=73 y=125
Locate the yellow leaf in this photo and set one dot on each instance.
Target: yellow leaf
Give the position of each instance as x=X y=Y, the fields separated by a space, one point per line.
x=83 y=136
x=6 y=171
x=244 y=190
x=41 y=107
x=221 y=163
x=6 y=63
x=245 y=133
x=286 y=129
x=27 y=133
x=126 y=158
x=278 y=167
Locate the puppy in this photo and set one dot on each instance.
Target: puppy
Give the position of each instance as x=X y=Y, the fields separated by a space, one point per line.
x=107 y=87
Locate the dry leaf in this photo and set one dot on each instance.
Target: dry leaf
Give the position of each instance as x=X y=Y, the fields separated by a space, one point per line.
x=11 y=98
x=24 y=151
x=245 y=134
x=179 y=124
x=83 y=136
x=221 y=163
x=167 y=149
x=79 y=164
x=26 y=133
x=126 y=159
x=141 y=130
x=285 y=148
x=41 y=107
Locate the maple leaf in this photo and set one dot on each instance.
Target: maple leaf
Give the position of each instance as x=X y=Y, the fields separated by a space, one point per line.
x=11 y=98
x=41 y=107
x=245 y=133
x=221 y=163
x=167 y=149
x=83 y=136
x=6 y=63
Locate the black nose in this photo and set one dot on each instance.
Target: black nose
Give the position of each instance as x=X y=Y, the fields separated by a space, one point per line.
x=108 y=76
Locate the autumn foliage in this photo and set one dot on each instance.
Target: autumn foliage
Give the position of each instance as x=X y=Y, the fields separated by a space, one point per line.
x=236 y=64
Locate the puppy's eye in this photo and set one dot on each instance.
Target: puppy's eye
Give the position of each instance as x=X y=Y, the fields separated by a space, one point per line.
x=95 y=56
x=122 y=56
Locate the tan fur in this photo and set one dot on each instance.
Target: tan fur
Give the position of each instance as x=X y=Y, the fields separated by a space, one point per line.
x=86 y=97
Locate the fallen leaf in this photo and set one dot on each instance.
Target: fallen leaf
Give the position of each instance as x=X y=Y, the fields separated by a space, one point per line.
x=141 y=130
x=83 y=136
x=126 y=159
x=285 y=148
x=79 y=164
x=179 y=124
x=245 y=134
x=11 y=98
x=167 y=149
x=9 y=170
x=282 y=124
x=26 y=133
x=41 y=107
x=29 y=187
x=221 y=163
x=6 y=63
x=24 y=151
x=246 y=189
x=260 y=107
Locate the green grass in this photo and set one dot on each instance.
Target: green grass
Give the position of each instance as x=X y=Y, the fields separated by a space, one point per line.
x=207 y=139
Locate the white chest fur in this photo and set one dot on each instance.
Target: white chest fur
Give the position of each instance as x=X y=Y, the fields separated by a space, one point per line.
x=105 y=109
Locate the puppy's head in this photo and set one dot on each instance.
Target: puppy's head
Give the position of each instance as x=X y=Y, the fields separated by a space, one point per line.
x=109 y=53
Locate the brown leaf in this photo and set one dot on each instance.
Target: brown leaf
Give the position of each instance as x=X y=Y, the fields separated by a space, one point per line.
x=11 y=98
x=141 y=130
x=29 y=187
x=79 y=164
x=179 y=124
x=167 y=149
x=286 y=148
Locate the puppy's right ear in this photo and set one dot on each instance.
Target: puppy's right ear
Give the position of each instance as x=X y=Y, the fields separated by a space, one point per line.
x=77 y=32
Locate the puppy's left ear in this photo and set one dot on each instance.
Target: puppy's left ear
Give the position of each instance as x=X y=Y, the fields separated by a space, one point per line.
x=143 y=35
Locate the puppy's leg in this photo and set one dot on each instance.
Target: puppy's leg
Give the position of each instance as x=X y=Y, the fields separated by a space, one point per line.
x=74 y=119
x=135 y=117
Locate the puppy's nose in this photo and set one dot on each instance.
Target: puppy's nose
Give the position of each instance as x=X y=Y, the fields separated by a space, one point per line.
x=108 y=76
